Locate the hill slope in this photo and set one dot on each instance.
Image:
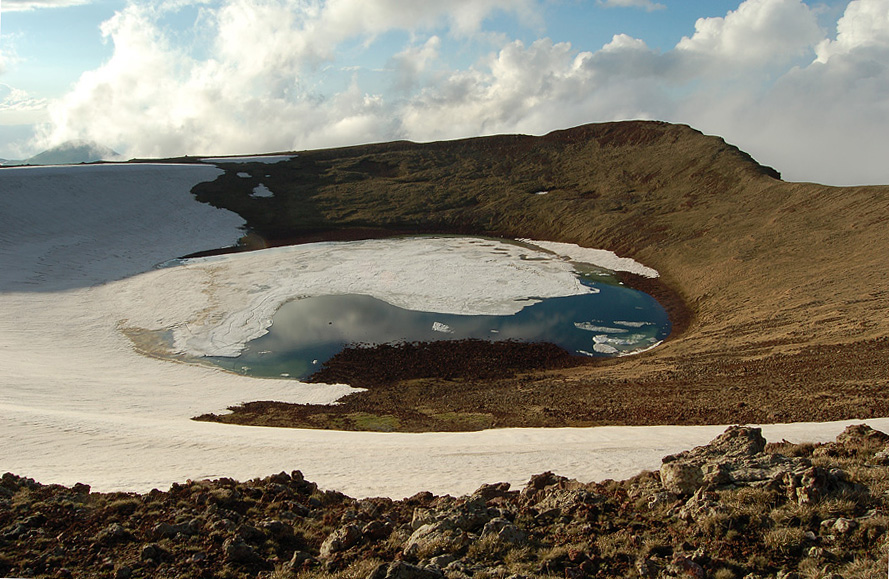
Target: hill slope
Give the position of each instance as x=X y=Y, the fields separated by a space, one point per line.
x=778 y=290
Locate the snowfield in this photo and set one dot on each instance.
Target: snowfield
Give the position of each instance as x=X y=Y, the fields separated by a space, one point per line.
x=79 y=248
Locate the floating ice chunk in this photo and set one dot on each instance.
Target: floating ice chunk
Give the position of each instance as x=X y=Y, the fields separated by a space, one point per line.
x=605 y=349
x=632 y=324
x=443 y=328
x=243 y=175
x=262 y=191
x=589 y=327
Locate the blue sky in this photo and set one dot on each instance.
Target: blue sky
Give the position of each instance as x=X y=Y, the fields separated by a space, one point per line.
x=802 y=86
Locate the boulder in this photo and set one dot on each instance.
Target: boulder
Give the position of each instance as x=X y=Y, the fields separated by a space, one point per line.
x=340 y=540
x=402 y=570
x=435 y=539
x=237 y=551
x=735 y=457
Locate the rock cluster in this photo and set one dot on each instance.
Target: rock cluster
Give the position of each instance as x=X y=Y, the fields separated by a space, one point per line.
x=736 y=507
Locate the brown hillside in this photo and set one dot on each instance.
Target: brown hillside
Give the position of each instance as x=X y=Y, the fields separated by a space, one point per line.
x=778 y=290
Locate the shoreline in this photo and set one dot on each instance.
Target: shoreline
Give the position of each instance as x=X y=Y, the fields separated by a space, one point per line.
x=443 y=363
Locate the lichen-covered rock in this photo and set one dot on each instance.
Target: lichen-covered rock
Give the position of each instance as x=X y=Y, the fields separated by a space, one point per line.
x=435 y=539
x=340 y=540
x=402 y=570
x=237 y=551
x=505 y=531
x=682 y=478
x=736 y=458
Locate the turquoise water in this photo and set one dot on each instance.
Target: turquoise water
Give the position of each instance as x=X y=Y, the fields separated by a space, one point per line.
x=614 y=321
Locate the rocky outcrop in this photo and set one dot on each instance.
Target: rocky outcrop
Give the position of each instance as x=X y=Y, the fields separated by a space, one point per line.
x=736 y=507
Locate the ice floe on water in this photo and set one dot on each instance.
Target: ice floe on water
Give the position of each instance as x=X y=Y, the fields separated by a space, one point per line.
x=443 y=328
x=79 y=403
x=590 y=327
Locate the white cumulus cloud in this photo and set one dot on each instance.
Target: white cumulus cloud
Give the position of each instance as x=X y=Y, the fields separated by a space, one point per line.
x=758 y=33
x=864 y=25
x=809 y=101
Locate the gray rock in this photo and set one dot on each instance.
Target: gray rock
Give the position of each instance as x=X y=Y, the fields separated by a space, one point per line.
x=505 y=531
x=340 y=540
x=151 y=552
x=682 y=478
x=402 y=570
x=237 y=551
x=735 y=458
x=442 y=561
x=489 y=491
x=114 y=533
x=422 y=516
x=843 y=526
x=300 y=560
x=435 y=539
x=376 y=530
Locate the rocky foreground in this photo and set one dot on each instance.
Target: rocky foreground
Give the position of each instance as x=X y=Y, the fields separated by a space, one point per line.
x=737 y=507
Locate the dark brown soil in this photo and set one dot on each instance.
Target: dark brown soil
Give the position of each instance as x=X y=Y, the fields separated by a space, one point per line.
x=401 y=394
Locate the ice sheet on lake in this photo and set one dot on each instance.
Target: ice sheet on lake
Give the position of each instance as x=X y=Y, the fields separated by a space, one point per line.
x=225 y=301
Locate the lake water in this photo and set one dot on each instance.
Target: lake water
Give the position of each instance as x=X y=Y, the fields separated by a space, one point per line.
x=614 y=320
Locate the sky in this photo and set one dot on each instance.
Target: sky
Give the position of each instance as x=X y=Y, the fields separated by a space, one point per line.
x=803 y=86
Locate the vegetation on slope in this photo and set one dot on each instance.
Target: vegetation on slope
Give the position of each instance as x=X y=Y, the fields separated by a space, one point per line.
x=734 y=508
x=778 y=291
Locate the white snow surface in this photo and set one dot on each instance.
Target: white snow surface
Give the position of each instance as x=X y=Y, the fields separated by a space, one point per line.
x=261 y=191
x=600 y=257
x=78 y=404
x=267 y=159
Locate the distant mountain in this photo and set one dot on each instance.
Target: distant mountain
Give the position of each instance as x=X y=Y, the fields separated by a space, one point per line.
x=73 y=152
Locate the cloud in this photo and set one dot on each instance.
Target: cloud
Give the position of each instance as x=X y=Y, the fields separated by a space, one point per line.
x=17 y=106
x=764 y=76
x=759 y=33
x=410 y=64
x=864 y=25
x=25 y=5
x=646 y=4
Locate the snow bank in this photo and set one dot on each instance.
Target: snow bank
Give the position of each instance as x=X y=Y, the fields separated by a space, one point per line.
x=598 y=257
x=77 y=403
x=268 y=159
x=66 y=227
